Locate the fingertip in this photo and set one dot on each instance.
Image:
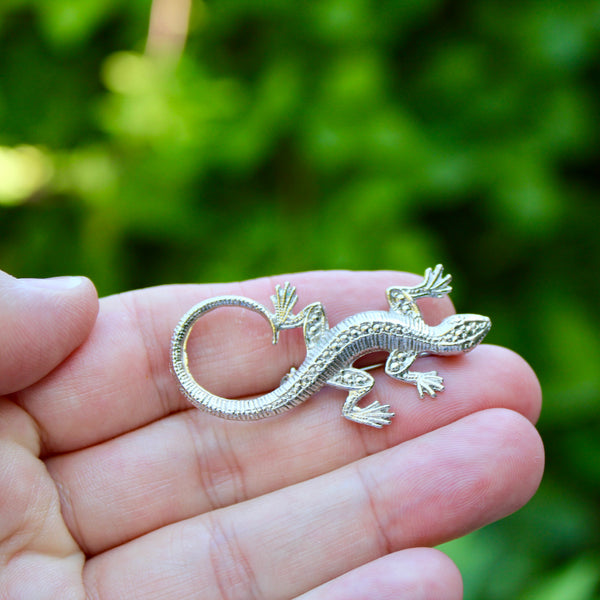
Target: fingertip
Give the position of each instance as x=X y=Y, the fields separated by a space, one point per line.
x=72 y=301
x=529 y=381
x=79 y=295
x=56 y=284
x=519 y=381
x=445 y=581
x=41 y=322
x=411 y=574
x=519 y=454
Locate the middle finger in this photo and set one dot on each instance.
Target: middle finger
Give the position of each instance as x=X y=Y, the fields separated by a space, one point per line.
x=436 y=487
x=191 y=462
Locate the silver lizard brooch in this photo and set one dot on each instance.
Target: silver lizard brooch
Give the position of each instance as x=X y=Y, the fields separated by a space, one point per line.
x=331 y=352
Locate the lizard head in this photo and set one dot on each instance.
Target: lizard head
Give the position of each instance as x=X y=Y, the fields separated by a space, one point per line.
x=461 y=333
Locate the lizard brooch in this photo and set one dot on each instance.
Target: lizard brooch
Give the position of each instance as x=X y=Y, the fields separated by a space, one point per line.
x=331 y=352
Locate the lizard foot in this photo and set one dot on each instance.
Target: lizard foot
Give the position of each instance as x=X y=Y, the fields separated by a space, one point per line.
x=284 y=300
x=429 y=383
x=374 y=415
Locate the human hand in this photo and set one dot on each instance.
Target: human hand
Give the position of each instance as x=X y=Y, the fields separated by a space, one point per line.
x=137 y=495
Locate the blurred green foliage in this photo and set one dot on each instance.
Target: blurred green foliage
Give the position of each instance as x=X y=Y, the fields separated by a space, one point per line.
x=354 y=134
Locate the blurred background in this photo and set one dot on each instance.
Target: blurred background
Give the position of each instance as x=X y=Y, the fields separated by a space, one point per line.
x=147 y=142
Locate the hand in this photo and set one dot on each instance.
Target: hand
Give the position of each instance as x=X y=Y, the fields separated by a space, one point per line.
x=113 y=487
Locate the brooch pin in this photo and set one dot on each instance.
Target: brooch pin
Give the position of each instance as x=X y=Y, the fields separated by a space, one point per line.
x=331 y=352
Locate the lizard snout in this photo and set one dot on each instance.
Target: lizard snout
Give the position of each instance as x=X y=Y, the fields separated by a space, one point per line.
x=461 y=333
x=476 y=328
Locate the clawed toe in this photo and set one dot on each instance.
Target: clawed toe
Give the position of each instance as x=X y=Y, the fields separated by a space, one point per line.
x=429 y=383
x=375 y=415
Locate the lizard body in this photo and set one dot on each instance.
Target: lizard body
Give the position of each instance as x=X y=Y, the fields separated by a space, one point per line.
x=331 y=352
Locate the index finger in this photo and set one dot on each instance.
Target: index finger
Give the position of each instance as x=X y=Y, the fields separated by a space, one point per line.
x=120 y=379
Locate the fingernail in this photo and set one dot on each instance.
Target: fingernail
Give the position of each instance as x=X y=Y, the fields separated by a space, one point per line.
x=54 y=283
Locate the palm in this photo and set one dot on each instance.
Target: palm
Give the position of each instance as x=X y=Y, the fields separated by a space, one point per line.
x=140 y=496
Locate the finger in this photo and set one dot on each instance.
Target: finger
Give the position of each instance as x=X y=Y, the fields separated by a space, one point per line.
x=421 y=493
x=414 y=574
x=36 y=550
x=121 y=489
x=41 y=322
x=124 y=378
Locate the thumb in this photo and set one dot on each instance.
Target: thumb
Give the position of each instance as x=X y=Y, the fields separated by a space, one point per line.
x=41 y=322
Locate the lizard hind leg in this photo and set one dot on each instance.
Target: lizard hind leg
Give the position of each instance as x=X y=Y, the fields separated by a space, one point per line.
x=397 y=366
x=359 y=384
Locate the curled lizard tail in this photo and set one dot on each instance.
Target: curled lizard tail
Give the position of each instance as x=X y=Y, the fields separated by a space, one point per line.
x=267 y=405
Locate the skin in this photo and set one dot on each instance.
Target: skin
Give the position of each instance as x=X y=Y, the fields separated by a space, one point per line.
x=113 y=487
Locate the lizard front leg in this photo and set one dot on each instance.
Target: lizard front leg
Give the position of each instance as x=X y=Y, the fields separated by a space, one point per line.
x=397 y=366
x=435 y=284
x=359 y=384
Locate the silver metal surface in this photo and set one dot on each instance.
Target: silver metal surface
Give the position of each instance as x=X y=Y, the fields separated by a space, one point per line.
x=331 y=352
